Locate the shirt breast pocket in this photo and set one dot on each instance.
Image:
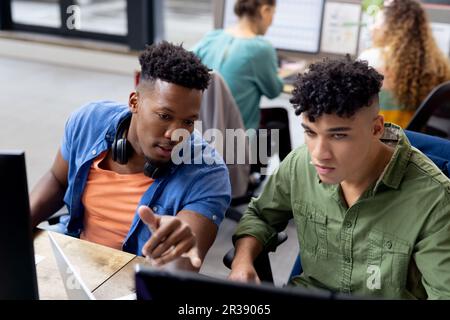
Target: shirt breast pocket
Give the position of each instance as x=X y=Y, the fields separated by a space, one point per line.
x=312 y=229
x=391 y=256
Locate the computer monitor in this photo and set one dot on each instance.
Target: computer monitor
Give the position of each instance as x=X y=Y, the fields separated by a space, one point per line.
x=17 y=265
x=296 y=26
x=187 y=287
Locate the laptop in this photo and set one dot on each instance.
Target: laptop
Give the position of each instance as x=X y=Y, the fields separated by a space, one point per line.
x=75 y=287
x=17 y=264
x=187 y=287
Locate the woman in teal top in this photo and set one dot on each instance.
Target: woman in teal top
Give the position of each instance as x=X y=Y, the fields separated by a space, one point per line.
x=247 y=61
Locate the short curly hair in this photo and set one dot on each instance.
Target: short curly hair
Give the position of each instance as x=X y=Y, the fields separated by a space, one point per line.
x=339 y=87
x=172 y=63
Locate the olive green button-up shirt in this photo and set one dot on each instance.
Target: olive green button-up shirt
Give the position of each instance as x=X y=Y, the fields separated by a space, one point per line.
x=394 y=242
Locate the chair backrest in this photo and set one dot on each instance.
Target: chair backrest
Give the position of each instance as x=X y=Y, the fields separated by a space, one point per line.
x=433 y=115
x=435 y=148
x=219 y=111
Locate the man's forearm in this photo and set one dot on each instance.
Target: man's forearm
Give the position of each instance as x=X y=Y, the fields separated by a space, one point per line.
x=247 y=250
x=46 y=198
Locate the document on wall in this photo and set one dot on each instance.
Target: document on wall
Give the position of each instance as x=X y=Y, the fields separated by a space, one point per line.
x=340 y=28
x=365 y=38
x=441 y=32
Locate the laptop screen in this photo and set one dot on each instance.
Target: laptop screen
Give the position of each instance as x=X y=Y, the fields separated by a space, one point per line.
x=187 y=287
x=75 y=287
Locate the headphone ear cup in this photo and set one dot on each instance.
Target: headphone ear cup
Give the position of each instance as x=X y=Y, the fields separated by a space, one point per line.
x=120 y=151
x=122 y=156
x=114 y=150
x=156 y=172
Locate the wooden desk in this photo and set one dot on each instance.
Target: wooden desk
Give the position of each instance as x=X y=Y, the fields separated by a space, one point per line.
x=107 y=272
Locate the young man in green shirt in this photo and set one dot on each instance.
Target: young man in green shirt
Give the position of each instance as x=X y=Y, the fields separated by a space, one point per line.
x=372 y=212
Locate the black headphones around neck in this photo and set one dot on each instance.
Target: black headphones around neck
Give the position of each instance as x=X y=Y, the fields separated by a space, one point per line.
x=120 y=148
x=121 y=151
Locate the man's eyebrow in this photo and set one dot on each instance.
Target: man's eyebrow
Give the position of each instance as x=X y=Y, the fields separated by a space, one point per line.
x=339 y=129
x=332 y=130
x=167 y=109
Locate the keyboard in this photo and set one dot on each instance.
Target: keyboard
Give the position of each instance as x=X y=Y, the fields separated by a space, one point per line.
x=290 y=79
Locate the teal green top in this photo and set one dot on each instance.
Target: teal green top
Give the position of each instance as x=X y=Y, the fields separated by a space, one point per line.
x=249 y=67
x=394 y=242
x=387 y=100
x=392 y=111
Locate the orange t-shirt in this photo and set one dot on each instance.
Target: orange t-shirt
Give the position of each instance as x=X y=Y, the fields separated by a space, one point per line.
x=110 y=201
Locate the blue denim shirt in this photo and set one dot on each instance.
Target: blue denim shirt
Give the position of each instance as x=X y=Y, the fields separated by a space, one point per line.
x=203 y=188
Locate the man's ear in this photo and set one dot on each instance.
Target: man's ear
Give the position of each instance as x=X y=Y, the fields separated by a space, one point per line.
x=133 y=101
x=378 y=126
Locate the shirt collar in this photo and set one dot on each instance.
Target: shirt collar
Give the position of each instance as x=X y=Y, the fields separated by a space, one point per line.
x=395 y=170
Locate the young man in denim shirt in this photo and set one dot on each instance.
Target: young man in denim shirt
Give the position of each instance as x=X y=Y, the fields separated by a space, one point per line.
x=116 y=174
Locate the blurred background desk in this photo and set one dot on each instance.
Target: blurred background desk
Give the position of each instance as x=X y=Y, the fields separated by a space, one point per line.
x=107 y=272
x=295 y=128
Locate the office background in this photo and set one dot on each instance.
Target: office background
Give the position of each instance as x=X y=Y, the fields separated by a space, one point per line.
x=49 y=70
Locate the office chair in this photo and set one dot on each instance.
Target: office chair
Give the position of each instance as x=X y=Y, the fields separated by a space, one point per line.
x=262 y=262
x=433 y=115
x=277 y=118
x=219 y=111
x=435 y=148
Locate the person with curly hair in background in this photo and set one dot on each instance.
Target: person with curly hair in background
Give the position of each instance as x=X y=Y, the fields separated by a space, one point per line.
x=408 y=57
x=372 y=213
x=115 y=171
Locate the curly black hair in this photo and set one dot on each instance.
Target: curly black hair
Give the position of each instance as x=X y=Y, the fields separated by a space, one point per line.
x=172 y=63
x=339 y=87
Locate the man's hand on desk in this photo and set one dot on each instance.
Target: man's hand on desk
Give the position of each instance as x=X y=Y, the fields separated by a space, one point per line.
x=171 y=238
